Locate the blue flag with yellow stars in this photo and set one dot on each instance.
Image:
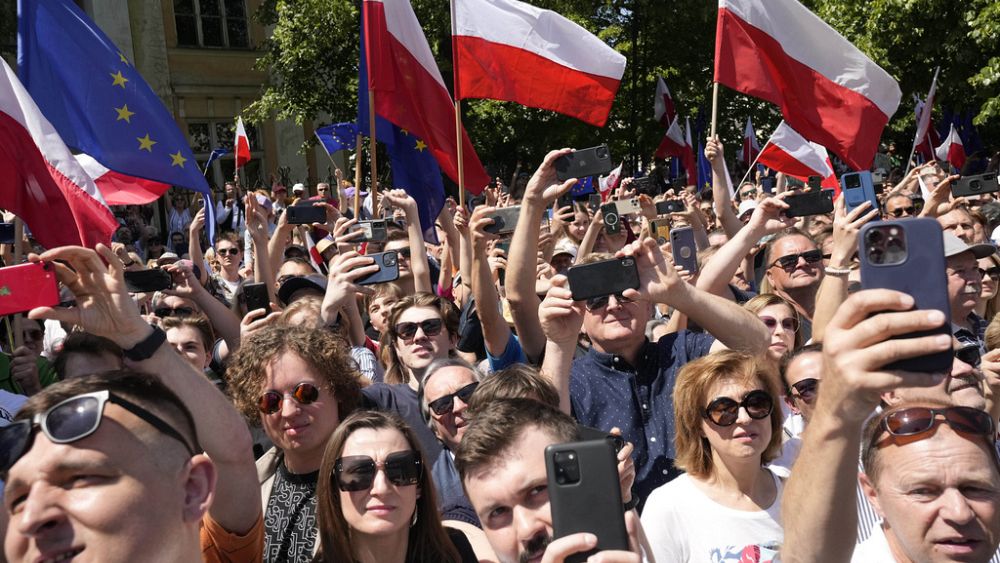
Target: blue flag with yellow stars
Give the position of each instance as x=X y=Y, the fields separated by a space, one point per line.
x=337 y=137
x=96 y=99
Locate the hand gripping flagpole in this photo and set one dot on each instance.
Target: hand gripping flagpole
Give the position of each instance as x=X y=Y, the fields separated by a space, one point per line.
x=458 y=110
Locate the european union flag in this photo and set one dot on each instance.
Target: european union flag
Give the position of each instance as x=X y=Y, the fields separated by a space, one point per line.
x=216 y=155
x=96 y=99
x=337 y=137
x=704 y=170
x=414 y=168
x=583 y=187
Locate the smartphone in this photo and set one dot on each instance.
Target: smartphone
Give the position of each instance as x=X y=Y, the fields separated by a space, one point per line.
x=504 y=245
x=606 y=277
x=646 y=185
x=388 y=268
x=815 y=182
x=565 y=200
x=585 y=162
x=374 y=231
x=908 y=256
x=504 y=220
x=972 y=185
x=26 y=286
x=612 y=221
x=584 y=494
x=594 y=202
x=628 y=206
x=813 y=202
x=148 y=281
x=683 y=249
x=767 y=184
x=305 y=214
x=660 y=229
x=858 y=187
x=6 y=233
x=256 y=297
x=670 y=206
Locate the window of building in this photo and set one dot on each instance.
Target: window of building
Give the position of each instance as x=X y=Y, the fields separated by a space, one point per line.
x=211 y=23
x=8 y=29
x=205 y=135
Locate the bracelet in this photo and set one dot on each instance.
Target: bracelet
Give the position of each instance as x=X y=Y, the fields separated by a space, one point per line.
x=631 y=503
x=146 y=348
x=837 y=271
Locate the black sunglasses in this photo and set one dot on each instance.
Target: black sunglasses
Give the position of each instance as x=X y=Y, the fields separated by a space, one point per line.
x=304 y=394
x=357 y=472
x=164 y=312
x=993 y=272
x=431 y=327
x=917 y=420
x=806 y=389
x=900 y=211
x=445 y=405
x=970 y=355
x=595 y=303
x=404 y=253
x=789 y=324
x=789 y=262
x=71 y=420
x=724 y=411
x=233 y=251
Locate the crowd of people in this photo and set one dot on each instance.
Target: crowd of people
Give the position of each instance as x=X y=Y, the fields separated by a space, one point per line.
x=273 y=405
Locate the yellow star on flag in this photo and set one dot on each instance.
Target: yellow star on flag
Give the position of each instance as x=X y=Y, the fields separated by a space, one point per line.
x=420 y=145
x=119 y=79
x=178 y=160
x=124 y=113
x=145 y=143
x=122 y=57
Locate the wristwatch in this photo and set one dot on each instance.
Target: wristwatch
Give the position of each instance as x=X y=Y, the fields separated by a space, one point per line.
x=144 y=350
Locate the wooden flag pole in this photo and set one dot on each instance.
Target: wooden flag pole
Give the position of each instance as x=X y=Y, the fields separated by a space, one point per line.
x=18 y=253
x=715 y=105
x=458 y=146
x=357 y=177
x=373 y=149
x=752 y=164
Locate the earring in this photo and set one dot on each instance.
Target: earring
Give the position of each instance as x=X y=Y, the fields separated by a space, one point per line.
x=413 y=522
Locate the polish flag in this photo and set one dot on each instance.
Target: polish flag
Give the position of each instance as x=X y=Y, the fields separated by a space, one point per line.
x=512 y=51
x=789 y=152
x=42 y=183
x=118 y=188
x=609 y=182
x=409 y=90
x=687 y=159
x=951 y=149
x=242 y=148
x=750 y=148
x=924 y=113
x=826 y=88
x=673 y=142
x=663 y=106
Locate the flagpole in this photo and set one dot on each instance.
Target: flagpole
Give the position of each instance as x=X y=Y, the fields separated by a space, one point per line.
x=328 y=155
x=715 y=105
x=752 y=164
x=18 y=253
x=372 y=149
x=920 y=118
x=357 y=177
x=458 y=110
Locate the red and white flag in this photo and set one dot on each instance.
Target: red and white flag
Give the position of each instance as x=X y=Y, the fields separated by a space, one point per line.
x=751 y=148
x=951 y=149
x=41 y=181
x=924 y=115
x=241 y=150
x=687 y=159
x=789 y=152
x=827 y=89
x=609 y=182
x=118 y=188
x=513 y=51
x=663 y=106
x=673 y=141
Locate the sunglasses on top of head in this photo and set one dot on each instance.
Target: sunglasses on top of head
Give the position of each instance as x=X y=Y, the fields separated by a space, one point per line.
x=357 y=472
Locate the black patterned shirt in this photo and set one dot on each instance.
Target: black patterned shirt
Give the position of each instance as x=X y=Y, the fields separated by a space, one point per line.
x=290 y=517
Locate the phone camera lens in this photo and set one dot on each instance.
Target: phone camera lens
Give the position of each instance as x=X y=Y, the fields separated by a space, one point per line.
x=975 y=186
x=874 y=236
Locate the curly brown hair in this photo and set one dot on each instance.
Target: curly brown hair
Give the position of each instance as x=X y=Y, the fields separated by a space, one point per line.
x=326 y=354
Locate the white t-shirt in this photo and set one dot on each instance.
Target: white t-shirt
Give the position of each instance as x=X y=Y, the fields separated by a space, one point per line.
x=782 y=467
x=685 y=525
x=875 y=549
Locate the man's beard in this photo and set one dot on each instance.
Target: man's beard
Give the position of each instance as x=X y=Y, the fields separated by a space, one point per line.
x=536 y=545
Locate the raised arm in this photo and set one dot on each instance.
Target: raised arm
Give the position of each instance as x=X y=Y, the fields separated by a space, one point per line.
x=561 y=319
x=224 y=321
x=194 y=245
x=721 y=200
x=496 y=333
x=464 y=290
x=414 y=230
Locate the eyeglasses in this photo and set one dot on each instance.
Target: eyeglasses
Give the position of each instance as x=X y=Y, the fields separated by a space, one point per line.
x=806 y=389
x=431 y=327
x=595 y=303
x=789 y=324
x=304 y=394
x=445 y=405
x=404 y=253
x=164 y=312
x=789 y=262
x=900 y=211
x=357 y=472
x=993 y=272
x=917 y=420
x=232 y=251
x=969 y=355
x=33 y=334
x=748 y=193
x=724 y=411
x=71 y=420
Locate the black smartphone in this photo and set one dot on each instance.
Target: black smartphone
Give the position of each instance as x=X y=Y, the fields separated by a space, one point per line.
x=646 y=185
x=388 y=268
x=606 y=277
x=767 y=184
x=565 y=200
x=584 y=494
x=255 y=295
x=6 y=233
x=972 y=185
x=908 y=256
x=504 y=245
x=815 y=182
x=594 y=202
x=612 y=221
x=374 y=231
x=504 y=220
x=583 y=163
x=147 y=281
x=813 y=202
x=660 y=229
x=684 y=249
x=670 y=206
x=305 y=214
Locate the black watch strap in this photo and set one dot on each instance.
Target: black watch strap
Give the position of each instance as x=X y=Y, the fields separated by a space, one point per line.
x=145 y=349
x=632 y=503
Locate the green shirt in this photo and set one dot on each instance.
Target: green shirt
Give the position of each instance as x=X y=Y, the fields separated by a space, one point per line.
x=46 y=374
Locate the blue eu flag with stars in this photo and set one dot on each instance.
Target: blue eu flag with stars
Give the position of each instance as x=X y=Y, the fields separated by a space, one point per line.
x=337 y=137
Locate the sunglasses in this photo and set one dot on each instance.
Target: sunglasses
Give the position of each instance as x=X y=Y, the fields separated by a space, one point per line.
x=749 y=193
x=969 y=355
x=789 y=262
x=71 y=420
x=917 y=420
x=595 y=303
x=806 y=389
x=789 y=324
x=724 y=411
x=357 y=472
x=230 y=251
x=304 y=394
x=993 y=272
x=445 y=405
x=900 y=211
x=33 y=334
x=164 y=312
x=431 y=327
x=404 y=253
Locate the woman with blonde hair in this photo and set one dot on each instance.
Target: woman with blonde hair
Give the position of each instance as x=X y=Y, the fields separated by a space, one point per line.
x=781 y=320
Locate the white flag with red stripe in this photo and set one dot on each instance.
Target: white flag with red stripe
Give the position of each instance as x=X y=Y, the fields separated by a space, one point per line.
x=789 y=152
x=41 y=181
x=827 y=89
x=118 y=188
x=663 y=105
x=751 y=148
x=951 y=149
x=609 y=182
x=242 y=144
x=673 y=141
